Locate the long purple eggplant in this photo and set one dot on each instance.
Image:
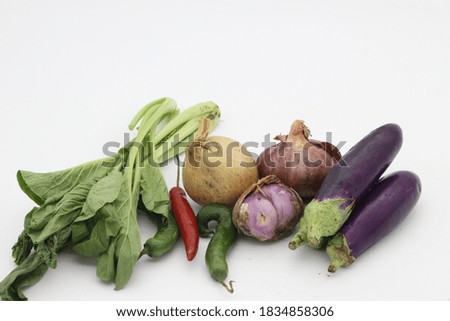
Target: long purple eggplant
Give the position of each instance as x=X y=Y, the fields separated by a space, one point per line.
x=379 y=213
x=353 y=176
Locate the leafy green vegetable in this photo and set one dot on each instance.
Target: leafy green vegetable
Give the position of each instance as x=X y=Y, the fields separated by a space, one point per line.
x=29 y=272
x=106 y=266
x=22 y=248
x=93 y=207
x=155 y=194
x=97 y=243
x=40 y=186
x=105 y=191
x=33 y=268
x=63 y=213
x=80 y=231
x=48 y=250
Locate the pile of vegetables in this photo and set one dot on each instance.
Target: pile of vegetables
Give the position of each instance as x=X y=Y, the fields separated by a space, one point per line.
x=355 y=174
x=353 y=208
x=93 y=207
x=341 y=204
x=342 y=187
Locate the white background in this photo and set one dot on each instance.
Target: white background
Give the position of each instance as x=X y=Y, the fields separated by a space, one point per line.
x=74 y=73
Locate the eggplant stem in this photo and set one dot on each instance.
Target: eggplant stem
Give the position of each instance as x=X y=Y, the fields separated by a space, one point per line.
x=228 y=287
x=295 y=244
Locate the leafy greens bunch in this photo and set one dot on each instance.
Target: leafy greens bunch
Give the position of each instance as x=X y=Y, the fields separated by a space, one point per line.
x=93 y=207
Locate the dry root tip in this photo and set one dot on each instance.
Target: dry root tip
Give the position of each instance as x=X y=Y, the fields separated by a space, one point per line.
x=332 y=268
x=314 y=242
x=228 y=287
x=295 y=244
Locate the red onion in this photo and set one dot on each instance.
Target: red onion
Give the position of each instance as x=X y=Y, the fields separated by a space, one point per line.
x=268 y=210
x=299 y=162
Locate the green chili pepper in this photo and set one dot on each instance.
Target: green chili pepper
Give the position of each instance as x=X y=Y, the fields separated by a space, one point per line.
x=223 y=237
x=165 y=239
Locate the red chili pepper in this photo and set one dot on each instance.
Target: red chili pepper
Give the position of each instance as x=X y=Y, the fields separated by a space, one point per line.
x=187 y=223
x=186 y=220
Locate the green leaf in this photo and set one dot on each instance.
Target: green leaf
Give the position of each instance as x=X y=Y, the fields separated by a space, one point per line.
x=63 y=214
x=49 y=249
x=155 y=194
x=29 y=272
x=33 y=268
x=128 y=241
x=106 y=190
x=80 y=232
x=30 y=279
x=112 y=221
x=97 y=243
x=22 y=249
x=128 y=250
x=39 y=218
x=28 y=217
x=106 y=266
x=41 y=186
x=107 y=225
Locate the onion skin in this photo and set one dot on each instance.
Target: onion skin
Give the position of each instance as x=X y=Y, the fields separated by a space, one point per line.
x=299 y=162
x=218 y=170
x=268 y=210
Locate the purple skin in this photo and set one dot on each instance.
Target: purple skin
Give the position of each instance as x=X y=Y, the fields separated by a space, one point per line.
x=357 y=171
x=378 y=214
x=269 y=211
x=264 y=216
x=299 y=162
x=366 y=162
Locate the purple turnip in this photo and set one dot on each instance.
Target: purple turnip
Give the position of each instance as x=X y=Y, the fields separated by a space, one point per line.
x=268 y=210
x=299 y=162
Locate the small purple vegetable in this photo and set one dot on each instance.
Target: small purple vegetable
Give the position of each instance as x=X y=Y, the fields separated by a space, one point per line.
x=356 y=172
x=379 y=213
x=268 y=210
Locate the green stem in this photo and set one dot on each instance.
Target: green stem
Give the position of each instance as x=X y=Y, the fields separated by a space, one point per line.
x=339 y=253
x=207 y=109
x=179 y=140
x=149 y=123
x=144 y=111
x=321 y=220
x=172 y=139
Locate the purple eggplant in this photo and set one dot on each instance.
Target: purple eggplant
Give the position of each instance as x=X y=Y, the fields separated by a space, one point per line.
x=347 y=181
x=376 y=215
